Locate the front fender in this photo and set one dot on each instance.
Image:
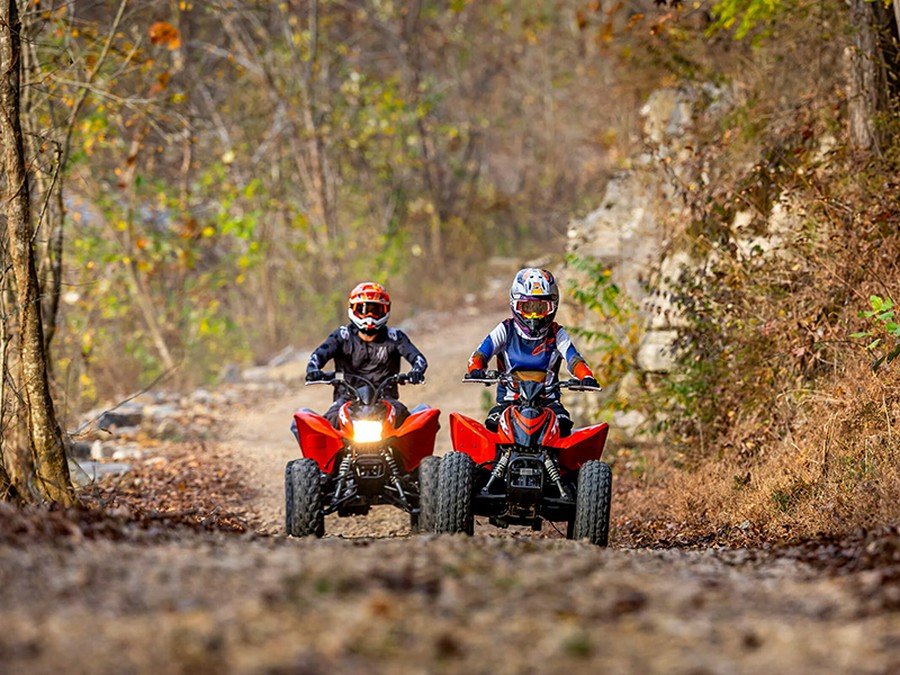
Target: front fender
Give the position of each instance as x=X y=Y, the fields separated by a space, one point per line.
x=318 y=439
x=582 y=445
x=414 y=440
x=473 y=438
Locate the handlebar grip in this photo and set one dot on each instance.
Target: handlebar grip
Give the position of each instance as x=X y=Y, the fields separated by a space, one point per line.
x=575 y=385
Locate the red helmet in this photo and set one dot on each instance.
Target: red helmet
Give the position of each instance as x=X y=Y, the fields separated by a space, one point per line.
x=369 y=307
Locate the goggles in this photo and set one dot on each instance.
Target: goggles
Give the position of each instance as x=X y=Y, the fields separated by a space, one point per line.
x=534 y=309
x=363 y=310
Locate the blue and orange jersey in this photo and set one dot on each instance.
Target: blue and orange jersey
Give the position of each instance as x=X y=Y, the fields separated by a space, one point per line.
x=515 y=353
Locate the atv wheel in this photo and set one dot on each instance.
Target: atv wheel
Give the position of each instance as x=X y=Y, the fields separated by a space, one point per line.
x=305 y=517
x=428 y=483
x=288 y=497
x=454 y=491
x=592 y=503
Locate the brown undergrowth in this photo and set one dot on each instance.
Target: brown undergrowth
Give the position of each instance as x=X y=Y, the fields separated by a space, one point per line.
x=774 y=426
x=186 y=488
x=836 y=472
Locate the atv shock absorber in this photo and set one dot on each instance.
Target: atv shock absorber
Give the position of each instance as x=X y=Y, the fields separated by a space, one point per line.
x=499 y=470
x=553 y=472
x=343 y=472
x=395 y=473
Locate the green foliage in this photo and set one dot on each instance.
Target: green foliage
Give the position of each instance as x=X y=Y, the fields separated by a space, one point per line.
x=743 y=16
x=612 y=327
x=885 y=328
x=786 y=499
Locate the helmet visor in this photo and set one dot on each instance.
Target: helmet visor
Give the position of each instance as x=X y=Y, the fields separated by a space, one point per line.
x=363 y=310
x=534 y=309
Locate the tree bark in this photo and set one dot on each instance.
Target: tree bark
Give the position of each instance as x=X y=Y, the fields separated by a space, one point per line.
x=862 y=104
x=896 y=5
x=51 y=471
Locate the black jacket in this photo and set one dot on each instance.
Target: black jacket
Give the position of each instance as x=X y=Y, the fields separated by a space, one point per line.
x=373 y=360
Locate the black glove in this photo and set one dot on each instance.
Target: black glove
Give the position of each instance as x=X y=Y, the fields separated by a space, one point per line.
x=315 y=375
x=415 y=376
x=476 y=374
x=589 y=381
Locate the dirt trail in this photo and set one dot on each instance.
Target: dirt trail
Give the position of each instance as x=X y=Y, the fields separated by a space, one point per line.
x=369 y=599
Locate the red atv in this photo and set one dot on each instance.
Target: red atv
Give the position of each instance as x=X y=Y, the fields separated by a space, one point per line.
x=525 y=471
x=368 y=461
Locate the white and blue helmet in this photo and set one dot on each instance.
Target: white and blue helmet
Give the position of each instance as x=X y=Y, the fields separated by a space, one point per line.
x=534 y=299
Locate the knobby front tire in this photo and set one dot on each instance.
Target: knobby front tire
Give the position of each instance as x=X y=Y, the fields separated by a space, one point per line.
x=592 y=503
x=306 y=517
x=454 y=505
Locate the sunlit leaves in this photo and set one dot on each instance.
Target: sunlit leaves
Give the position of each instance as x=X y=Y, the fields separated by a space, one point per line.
x=885 y=328
x=163 y=33
x=743 y=16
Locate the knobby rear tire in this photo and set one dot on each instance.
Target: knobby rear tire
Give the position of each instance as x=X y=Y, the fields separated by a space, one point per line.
x=306 y=517
x=428 y=493
x=454 y=504
x=288 y=497
x=592 y=503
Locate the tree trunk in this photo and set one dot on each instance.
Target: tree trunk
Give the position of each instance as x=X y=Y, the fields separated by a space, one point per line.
x=873 y=64
x=51 y=471
x=862 y=102
x=896 y=5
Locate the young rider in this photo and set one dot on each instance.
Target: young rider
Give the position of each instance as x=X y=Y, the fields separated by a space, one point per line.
x=367 y=348
x=531 y=344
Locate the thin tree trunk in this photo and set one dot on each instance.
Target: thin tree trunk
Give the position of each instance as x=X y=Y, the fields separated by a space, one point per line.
x=896 y=5
x=16 y=456
x=44 y=434
x=140 y=293
x=865 y=68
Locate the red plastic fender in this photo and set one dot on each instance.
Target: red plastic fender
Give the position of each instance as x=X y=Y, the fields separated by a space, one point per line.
x=582 y=445
x=414 y=440
x=318 y=439
x=473 y=438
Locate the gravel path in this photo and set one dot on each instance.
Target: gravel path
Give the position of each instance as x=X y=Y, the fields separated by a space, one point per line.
x=428 y=604
x=369 y=598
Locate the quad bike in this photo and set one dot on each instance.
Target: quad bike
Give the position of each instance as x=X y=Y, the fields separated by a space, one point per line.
x=525 y=472
x=369 y=460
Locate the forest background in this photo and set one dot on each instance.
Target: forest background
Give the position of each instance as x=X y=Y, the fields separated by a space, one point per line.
x=207 y=181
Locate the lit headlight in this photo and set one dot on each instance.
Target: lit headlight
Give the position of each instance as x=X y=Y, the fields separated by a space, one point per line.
x=366 y=431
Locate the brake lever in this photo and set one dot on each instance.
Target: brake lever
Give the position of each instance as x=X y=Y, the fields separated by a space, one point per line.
x=472 y=380
x=575 y=385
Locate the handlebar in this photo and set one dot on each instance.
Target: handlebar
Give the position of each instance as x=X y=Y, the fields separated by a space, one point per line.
x=330 y=378
x=337 y=379
x=495 y=376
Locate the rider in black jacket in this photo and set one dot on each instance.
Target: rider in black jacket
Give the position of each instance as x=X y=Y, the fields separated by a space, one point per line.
x=366 y=347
